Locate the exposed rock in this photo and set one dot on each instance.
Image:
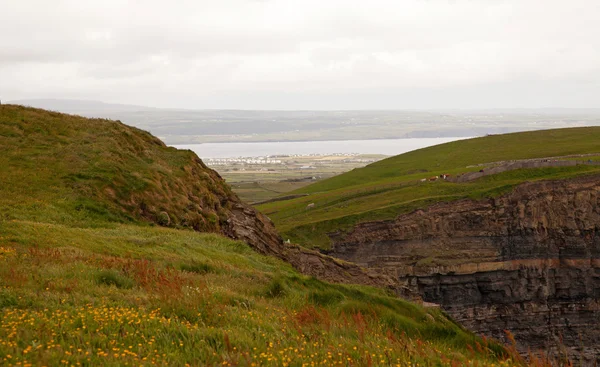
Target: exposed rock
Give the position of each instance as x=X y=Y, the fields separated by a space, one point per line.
x=338 y=271
x=254 y=228
x=246 y=224
x=528 y=262
x=197 y=197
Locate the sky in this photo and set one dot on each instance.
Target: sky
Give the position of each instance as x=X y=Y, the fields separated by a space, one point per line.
x=304 y=54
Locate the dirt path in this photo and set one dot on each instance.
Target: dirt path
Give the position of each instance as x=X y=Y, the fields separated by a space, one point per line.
x=504 y=166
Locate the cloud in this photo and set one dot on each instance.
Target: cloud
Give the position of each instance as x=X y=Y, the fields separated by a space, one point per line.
x=180 y=53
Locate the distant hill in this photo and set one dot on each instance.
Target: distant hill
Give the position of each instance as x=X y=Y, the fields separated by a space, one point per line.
x=84 y=107
x=187 y=126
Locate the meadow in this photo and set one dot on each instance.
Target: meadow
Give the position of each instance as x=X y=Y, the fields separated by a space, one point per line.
x=393 y=186
x=131 y=295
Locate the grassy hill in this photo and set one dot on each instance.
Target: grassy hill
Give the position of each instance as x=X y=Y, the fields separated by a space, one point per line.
x=392 y=186
x=87 y=278
x=73 y=169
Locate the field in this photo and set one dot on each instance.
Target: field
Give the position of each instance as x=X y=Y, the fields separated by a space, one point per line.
x=257 y=182
x=393 y=186
x=83 y=282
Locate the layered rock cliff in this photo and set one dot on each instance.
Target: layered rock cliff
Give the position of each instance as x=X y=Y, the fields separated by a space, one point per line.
x=527 y=262
x=245 y=223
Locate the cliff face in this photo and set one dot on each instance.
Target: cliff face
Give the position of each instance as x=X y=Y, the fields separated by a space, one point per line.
x=246 y=224
x=527 y=262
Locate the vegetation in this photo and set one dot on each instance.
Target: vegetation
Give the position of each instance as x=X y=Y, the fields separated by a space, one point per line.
x=68 y=169
x=85 y=282
x=136 y=295
x=263 y=181
x=390 y=187
x=259 y=191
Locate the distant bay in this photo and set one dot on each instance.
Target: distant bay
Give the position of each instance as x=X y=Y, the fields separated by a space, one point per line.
x=261 y=149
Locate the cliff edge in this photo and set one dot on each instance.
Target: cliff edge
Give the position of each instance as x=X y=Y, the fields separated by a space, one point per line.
x=527 y=262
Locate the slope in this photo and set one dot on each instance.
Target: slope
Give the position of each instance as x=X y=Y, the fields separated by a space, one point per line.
x=394 y=186
x=88 y=278
x=91 y=171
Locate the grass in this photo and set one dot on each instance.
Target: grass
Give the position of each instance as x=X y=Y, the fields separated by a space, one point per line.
x=460 y=154
x=154 y=296
x=114 y=278
x=257 y=191
x=94 y=171
x=85 y=280
x=390 y=187
x=258 y=183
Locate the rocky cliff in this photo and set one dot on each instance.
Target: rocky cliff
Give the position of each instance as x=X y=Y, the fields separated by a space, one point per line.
x=527 y=262
x=245 y=223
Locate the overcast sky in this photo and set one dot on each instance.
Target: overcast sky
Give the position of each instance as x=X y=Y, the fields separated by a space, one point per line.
x=304 y=54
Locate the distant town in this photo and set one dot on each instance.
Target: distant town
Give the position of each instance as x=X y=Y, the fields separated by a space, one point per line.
x=289 y=159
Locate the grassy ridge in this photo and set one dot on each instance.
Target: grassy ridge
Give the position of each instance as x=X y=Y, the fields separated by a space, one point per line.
x=390 y=187
x=84 y=282
x=462 y=153
x=80 y=170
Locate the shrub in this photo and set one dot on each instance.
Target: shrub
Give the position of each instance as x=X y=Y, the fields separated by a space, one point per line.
x=198 y=268
x=325 y=298
x=276 y=289
x=8 y=300
x=113 y=277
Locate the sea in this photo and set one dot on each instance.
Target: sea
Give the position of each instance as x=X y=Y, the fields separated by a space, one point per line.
x=323 y=147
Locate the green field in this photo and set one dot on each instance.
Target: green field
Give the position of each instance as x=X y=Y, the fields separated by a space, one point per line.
x=258 y=191
x=86 y=280
x=390 y=187
x=255 y=183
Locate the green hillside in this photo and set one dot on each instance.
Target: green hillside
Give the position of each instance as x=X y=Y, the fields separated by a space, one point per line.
x=71 y=169
x=88 y=279
x=392 y=186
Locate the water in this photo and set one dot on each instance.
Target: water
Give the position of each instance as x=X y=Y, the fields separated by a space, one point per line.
x=379 y=146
